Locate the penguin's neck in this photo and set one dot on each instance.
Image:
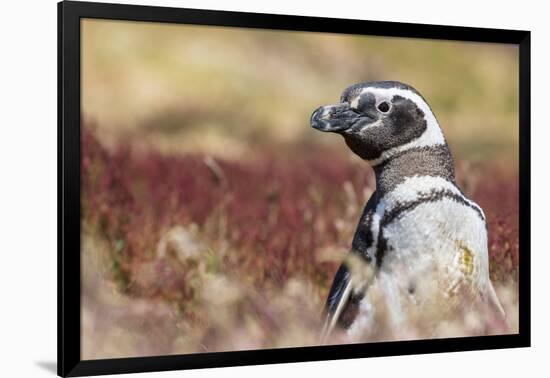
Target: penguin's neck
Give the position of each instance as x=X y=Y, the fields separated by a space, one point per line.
x=435 y=161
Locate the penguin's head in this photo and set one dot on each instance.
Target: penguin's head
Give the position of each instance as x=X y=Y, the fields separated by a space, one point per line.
x=378 y=119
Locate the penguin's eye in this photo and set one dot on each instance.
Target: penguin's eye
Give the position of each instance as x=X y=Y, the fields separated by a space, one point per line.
x=384 y=107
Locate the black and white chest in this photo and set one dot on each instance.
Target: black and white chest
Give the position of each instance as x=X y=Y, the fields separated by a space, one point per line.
x=428 y=245
x=423 y=217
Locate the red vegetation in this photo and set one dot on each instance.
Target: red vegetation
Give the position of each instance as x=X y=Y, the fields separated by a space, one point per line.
x=270 y=216
x=499 y=198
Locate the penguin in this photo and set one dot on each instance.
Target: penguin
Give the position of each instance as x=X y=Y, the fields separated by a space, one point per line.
x=419 y=255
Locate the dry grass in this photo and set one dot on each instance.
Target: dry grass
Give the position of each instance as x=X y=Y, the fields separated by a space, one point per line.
x=188 y=254
x=214 y=218
x=222 y=90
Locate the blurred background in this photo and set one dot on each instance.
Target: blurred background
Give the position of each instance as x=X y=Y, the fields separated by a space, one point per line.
x=214 y=217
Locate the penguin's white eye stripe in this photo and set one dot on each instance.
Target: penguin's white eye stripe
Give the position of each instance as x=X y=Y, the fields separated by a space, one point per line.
x=355 y=103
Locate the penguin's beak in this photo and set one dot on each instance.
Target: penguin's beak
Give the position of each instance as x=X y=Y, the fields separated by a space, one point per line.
x=333 y=118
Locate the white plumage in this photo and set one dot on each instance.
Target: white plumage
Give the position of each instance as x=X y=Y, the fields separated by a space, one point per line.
x=440 y=261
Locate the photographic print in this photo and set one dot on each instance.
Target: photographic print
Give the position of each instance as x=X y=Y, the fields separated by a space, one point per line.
x=247 y=189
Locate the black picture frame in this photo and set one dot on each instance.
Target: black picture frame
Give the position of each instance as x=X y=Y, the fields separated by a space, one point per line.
x=69 y=16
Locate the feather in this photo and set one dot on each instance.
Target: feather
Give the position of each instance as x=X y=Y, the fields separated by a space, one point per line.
x=338 y=300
